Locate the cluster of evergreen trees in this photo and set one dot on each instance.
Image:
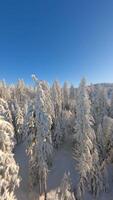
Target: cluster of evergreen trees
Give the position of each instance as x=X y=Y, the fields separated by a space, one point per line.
x=47 y=117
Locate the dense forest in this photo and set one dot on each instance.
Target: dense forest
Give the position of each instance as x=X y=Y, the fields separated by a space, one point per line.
x=50 y=121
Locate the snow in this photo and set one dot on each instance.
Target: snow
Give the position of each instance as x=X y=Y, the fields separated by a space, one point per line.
x=62 y=162
x=22 y=159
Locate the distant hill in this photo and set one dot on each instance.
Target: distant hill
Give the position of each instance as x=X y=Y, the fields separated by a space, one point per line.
x=108 y=86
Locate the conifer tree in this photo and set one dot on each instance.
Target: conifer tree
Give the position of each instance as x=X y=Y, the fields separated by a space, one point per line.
x=5 y=111
x=100 y=106
x=65 y=96
x=8 y=167
x=56 y=95
x=41 y=146
x=65 y=191
x=17 y=120
x=86 y=153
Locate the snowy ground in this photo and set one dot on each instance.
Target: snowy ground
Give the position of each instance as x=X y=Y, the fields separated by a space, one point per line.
x=22 y=160
x=63 y=161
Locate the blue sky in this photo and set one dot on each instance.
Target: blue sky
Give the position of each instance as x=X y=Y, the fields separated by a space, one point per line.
x=56 y=39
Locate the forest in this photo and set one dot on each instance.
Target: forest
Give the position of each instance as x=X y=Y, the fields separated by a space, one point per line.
x=56 y=141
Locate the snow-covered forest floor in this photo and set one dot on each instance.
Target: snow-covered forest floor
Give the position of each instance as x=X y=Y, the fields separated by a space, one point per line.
x=63 y=162
x=22 y=159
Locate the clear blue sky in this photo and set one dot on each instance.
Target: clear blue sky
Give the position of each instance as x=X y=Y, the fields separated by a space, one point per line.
x=56 y=39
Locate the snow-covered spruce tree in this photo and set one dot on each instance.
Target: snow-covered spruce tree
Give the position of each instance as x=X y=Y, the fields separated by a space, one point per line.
x=20 y=93
x=111 y=107
x=108 y=148
x=44 y=114
x=65 y=96
x=17 y=120
x=72 y=99
x=8 y=167
x=63 y=118
x=41 y=148
x=4 y=90
x=99 y=105
x=57 y=134
x=85 y=151
x=30 y=123
x=65 y=190
x=63 y=127
x=104 y=137
x=56 y=95
x=105 y=144
x=100 y=142
x=72 y=92
x=67 y=124
x=4 y=110
x=19 y=123
x=107 y=135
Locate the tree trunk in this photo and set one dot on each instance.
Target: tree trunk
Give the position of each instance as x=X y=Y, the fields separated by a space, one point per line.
x=40 y=186
x=45 y=189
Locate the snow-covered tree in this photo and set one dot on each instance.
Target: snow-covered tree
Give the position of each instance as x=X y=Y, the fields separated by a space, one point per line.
x=65 y=96
x=4 y=110
x=72 y=92
x=67 y=124
x=19 y=123
x=99 y=106
x=4 y=90
x=72 y=99
x=100 y=142
x=111 y=107
x=63 y=127
x=17 y=119
x=86 y=153
x=108 y=135
x=21 y=96
x=30 y=122
x=65 y=190
x=8 y=167
x=44 y=115
x=56 y=95
x=57 y=135
x=41 y=147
